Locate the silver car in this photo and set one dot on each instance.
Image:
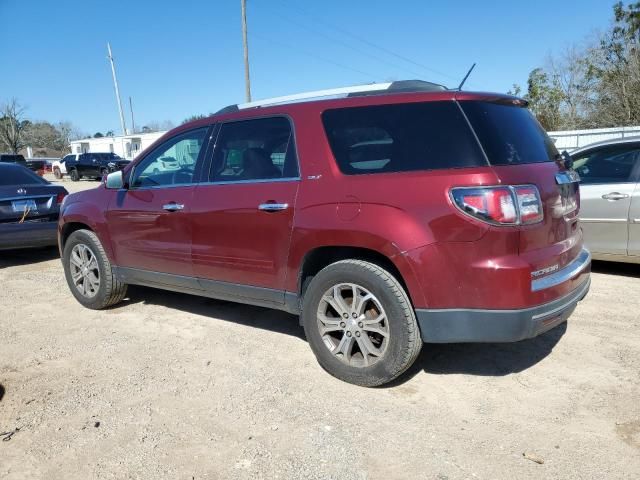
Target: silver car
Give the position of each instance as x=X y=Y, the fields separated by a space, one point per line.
x=610 y=198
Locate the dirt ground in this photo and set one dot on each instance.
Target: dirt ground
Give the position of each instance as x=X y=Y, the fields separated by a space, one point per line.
x=173 y=386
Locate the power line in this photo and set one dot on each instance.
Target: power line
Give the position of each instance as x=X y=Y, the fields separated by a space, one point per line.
x=288 y=46
x=305 y=12
x=344 y=44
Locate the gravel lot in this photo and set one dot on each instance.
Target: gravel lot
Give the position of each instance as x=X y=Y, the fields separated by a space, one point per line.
x=173 y=386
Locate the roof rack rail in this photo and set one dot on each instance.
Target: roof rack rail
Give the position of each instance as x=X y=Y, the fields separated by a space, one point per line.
x=341 y=92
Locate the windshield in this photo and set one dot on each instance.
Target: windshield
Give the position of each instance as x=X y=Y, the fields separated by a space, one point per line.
x=510 y=135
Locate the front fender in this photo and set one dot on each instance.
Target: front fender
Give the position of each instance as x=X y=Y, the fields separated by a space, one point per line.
x=91 y=213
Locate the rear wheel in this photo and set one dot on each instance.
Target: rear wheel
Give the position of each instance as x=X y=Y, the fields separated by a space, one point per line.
x=360 y=323
x=75 y=176
x=88 y=272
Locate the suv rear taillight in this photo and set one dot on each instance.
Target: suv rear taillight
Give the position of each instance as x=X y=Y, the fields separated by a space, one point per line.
x=60 y=197
x=511 y=205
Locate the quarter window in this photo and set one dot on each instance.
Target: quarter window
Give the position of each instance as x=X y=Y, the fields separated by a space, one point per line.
x=401 y=138
x=260 y=149
x=609 y=165
x=172 y=163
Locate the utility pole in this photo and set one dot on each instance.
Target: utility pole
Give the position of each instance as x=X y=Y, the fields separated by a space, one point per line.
x=133 y=124
x=245 y=45
x=115 y=84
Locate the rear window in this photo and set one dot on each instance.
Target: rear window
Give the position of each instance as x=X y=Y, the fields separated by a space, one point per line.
x=509 y=134
x=19 y=176
x=401 y=138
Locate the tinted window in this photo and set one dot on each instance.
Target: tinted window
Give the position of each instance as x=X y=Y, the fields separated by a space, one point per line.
x=608 y=165
x=260 y=149
x=509 y=134
x=172 y=163
x=403 y=137
x=19 y=176
x=12 y=158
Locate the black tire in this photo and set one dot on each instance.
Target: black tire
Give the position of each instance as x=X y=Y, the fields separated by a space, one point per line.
x=404 y=341
x=74 y=175
x=111 y=291
x=57 y=173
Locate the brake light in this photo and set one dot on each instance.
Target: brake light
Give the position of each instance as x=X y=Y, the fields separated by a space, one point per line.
x=60 y=197
x=519 y=205
x=529 y=204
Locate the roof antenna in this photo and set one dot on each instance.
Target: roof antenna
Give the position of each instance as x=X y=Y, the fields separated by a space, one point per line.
x=466 y=76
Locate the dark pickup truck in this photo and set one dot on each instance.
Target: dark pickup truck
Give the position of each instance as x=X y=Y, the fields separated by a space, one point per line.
x=94 y=165
x=36 y=166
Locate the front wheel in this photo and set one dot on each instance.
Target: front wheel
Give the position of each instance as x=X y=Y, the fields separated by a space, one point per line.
x=57 y=173
x=360 y=323
x=88 y=272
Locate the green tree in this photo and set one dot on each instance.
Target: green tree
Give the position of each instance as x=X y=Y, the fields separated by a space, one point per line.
x=195 y=117
x=614 y=68
x=98 y=135
x=544 y=99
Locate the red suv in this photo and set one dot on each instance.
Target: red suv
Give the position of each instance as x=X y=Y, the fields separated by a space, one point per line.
x=385 y=216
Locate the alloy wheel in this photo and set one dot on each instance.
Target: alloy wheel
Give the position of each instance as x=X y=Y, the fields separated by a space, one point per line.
x=85 y=273
x=353 y=324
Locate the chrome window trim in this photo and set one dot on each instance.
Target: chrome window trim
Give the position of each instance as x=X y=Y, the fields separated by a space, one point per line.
x=570 y=271
x=259 y=180
x=155 y=187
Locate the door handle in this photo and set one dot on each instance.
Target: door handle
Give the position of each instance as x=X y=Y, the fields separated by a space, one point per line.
x=273 y=207
x=615 y=196
x=173 y=207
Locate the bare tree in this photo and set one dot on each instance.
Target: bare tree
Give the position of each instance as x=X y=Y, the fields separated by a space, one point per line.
x=570 y=75
x=13 y=126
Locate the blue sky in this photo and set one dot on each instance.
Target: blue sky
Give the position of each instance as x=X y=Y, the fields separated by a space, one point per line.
x=184 y=57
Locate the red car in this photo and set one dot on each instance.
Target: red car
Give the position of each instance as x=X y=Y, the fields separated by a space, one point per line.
x=385 y=216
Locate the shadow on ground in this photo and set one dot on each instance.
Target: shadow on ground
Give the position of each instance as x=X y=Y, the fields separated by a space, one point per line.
x=616 y=268
x=256 y=317
x=2 y=390
x=482 y=359
x=26 y=256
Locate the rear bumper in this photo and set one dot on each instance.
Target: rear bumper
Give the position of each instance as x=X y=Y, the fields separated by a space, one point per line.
x=28 y=235
x=478 y=325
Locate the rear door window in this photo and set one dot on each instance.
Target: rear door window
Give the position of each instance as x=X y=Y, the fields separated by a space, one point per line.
x=254 y=150
x=509 y=134
x=606 y=165
x=401 y=137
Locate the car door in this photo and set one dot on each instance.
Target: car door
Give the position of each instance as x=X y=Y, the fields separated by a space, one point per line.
x=606 y=188
x=149 y=222
x=86 y=165
x=243 y=215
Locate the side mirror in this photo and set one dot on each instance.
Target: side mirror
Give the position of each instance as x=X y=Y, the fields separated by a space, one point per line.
x=115 y=180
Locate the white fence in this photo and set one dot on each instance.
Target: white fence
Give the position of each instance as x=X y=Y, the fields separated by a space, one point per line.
x=572 y=139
